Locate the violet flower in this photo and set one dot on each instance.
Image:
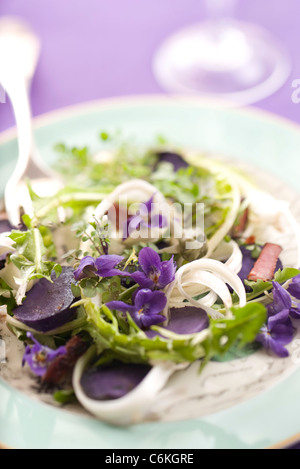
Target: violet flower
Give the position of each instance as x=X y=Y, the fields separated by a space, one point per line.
x=279 y=330
x=275 y=335
x=144 y=219
x=294 y=288
x=283 y=306
x=146 y=309
x=154 y=273
x=39 y=356
x=104 y=266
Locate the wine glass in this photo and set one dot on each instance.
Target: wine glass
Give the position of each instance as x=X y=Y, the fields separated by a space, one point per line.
x=233 y=60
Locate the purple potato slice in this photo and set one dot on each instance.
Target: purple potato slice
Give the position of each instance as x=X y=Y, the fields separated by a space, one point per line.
x=174 y=158
x=112 y=381
x=5 y=226
x=186 y=320
x=48 y=305
x=3 y=260
x=117 y=379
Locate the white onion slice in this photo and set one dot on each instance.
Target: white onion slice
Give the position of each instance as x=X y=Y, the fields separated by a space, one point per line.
x=136 y=191
x=230 y=254
x=6 y=243
x=134 y=406
x=209 y=273
x=129 y=188
x=211 y=281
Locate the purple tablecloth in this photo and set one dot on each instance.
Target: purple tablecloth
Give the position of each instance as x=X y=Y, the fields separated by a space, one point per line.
x=95 y=49
x=103 y=48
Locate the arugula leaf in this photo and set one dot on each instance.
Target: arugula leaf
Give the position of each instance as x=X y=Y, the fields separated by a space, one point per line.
x=104 y=328
x=4 y=288
x=64 y=396
x=30 y=257
x=243 y=327
x=6 y=296
x=259 y=287
x=236 y=352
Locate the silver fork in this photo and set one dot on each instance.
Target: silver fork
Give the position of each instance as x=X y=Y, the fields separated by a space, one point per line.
x=19 y=54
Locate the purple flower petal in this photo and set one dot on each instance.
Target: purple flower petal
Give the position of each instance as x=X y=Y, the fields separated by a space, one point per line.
x=158 y=221
x=146 y=308
x=282 y=299
x=152 y=320
x=295 y=312
x=158 y=302
x=294 y=288
x=107 y=262
x=156 y=274
x=146 y=207
x=272 y=345
x=274 y=337
x=278 y=318
x=131 y=225
x=85 y=269
x=283 y=333
x=103 y=266
x=149 y=260
x=38 y=356
x=150 y=302
x=113 y=273
x=142 y=279
x=121 y=306
x=144 y=218
x=277 y=348
x=143 y=298
x=264 y=337
x=167 y=273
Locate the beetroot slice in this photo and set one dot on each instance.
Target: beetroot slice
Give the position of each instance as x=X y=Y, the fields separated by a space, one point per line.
x=47 y=305
x=112 y=381
x=60 y=369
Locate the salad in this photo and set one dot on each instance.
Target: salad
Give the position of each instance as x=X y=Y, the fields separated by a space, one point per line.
x=148 y=262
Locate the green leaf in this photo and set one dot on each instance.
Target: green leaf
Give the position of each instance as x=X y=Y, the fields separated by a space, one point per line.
x=27 y=220
x=30 y=258
x=242 y=327
x=282 y=276
x=64 y=396
x=237 y=352
x=259 y=287
x=104 y=136
x=57 y=268
x=104 y=328
x=6 y=296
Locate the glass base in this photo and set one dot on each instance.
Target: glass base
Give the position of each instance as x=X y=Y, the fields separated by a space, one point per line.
x=236 y=61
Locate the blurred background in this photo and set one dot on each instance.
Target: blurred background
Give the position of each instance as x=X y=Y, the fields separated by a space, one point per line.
x=95 y=49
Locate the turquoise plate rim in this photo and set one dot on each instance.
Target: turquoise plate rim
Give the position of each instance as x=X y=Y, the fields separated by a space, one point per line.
x=264 y=421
